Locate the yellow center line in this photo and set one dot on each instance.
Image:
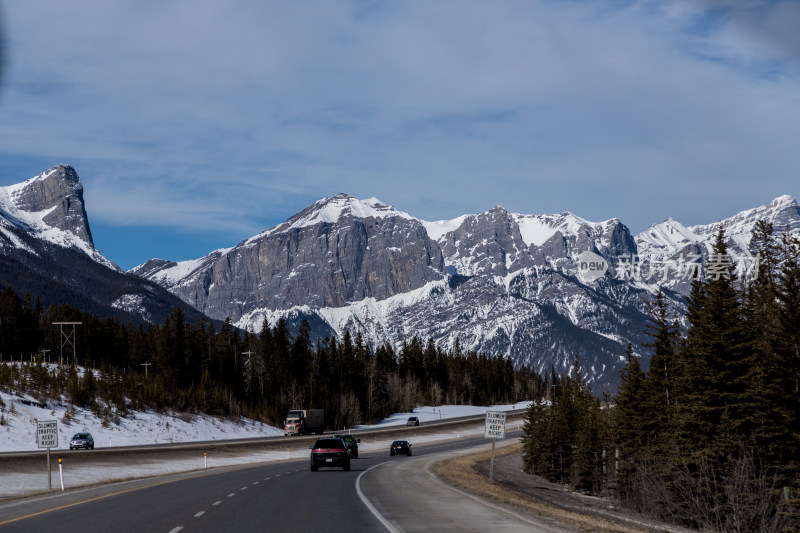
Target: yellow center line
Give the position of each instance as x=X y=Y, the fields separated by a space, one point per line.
x=90 y=500
x=85 y=501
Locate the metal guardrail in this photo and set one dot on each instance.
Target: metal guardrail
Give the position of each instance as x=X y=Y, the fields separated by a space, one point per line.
x=244 y=445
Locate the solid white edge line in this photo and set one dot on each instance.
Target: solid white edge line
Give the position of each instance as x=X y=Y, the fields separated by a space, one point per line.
x=486 y=502
x=369 y=505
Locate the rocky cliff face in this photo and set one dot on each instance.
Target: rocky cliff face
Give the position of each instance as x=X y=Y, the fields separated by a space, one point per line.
x=498 y=282
x=50 y=206
x=673 y=246
x=58 y=196
x=46 y=249
x=337 y=251
x=486 y=244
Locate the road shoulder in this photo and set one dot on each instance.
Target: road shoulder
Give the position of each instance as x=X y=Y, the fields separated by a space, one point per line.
x=533 y=495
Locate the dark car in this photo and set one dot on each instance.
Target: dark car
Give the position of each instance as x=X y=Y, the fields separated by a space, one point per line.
x=81 y=440
x=351 y=443
x=412 y=421
x=329 y=452
x=400 y=447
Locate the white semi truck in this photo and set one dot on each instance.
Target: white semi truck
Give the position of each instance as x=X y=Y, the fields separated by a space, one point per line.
x=304 y=422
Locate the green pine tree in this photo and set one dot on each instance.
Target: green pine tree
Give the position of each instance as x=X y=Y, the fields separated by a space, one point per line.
x=712 y=383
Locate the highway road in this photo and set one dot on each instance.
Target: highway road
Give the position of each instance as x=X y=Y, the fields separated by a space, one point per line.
x=380 y=493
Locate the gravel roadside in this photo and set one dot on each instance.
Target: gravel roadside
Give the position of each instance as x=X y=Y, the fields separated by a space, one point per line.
x=532 y=494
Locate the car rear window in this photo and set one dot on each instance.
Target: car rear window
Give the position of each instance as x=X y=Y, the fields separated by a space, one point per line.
x=329 y=443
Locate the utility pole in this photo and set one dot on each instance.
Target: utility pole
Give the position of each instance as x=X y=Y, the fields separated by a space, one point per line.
x=68 y=338
x=145 y=365
x=246 y=373
x=550 y=393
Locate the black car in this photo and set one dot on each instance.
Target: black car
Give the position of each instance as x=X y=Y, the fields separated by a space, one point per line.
x=400 y=446
x=81 y=440
x=412 y=421
x=329 y=452
x=351 y=443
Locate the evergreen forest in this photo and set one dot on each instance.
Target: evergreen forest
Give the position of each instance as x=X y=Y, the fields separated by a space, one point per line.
x=709 y=435
x=224 y=371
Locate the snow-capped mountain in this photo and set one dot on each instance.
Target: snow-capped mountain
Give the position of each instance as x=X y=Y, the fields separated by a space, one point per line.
x=499 y=282
x=503 y=283
x=46 y=249
x=671 y=243
x=670 y=237
x=337 y=251
x=498 y=242
x=50 y=207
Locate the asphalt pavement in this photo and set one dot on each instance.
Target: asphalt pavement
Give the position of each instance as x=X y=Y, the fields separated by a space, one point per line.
x=380 y=493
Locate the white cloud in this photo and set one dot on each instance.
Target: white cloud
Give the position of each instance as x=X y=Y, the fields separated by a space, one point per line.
x=223 y=114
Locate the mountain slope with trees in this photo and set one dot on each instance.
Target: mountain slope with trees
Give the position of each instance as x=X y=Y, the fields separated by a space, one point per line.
x=197 y=367
x=709 y=435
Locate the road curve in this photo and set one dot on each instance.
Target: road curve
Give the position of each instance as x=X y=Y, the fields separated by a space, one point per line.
x=406 y=496
x=379 y=494
x=267 y=497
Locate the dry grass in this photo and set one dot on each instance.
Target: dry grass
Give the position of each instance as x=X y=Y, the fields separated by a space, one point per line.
x=461 y=472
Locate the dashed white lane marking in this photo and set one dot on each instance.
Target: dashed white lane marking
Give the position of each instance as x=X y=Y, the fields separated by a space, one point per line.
x=201 y=513
x=256 y=482
x=243 y=488
x=176 y=529
x=231 y=495
x=216 y=503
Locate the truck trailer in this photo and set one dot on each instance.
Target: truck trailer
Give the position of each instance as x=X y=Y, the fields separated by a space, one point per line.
x=304 y=422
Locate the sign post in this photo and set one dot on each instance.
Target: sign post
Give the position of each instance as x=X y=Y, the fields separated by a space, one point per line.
x=47 y=437
x=495 y=429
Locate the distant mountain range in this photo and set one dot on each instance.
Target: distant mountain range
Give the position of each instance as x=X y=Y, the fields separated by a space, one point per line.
x=46 y=249
x=541 y=289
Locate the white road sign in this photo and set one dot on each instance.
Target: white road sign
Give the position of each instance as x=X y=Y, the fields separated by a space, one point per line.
x=495 y=425
x=47 y=433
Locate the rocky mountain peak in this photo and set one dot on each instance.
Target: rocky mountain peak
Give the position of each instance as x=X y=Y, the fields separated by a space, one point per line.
x=335 y=251
x=53 y=199
x=50 y=207
x=48 y=188
x=781 y=211
x=332 y=210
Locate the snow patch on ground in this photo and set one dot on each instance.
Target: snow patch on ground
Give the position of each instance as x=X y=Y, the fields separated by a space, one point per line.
x=19 y=416
x=19 y=434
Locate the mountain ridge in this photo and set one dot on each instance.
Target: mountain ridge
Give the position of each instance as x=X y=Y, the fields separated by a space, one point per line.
x=500 y=282
x=46 y=250
x=504 y=283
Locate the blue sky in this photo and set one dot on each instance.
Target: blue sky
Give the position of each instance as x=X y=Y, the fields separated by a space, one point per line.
x=194 y=125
